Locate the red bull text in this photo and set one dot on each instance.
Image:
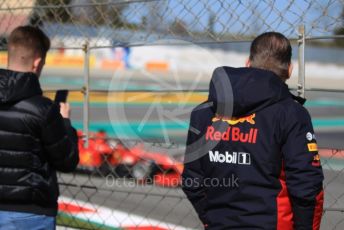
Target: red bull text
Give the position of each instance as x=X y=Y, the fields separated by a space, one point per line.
x=232 y=134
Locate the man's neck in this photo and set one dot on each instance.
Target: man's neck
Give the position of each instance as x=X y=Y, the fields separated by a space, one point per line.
x=18 y=68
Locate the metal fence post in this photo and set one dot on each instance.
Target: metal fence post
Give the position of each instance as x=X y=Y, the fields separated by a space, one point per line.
x=86 y=92
x=301 y=62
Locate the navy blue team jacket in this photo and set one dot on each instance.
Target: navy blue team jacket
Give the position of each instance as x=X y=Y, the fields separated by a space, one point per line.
x=251 y=160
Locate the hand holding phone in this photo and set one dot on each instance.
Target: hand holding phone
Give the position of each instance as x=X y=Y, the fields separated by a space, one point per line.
x=65 y=110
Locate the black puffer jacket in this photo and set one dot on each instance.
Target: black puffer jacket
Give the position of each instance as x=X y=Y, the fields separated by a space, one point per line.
x=35 y=141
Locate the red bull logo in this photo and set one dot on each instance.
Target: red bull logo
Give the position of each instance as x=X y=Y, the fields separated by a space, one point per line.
x=232 y=134
x=234 y=120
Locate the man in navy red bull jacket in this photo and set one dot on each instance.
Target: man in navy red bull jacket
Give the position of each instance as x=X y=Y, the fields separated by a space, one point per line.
x=251 y=160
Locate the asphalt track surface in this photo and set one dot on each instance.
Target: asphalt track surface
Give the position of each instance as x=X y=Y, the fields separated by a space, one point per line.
x=170 y=205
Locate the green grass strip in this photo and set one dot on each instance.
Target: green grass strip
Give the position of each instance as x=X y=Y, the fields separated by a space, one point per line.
x=67 y=220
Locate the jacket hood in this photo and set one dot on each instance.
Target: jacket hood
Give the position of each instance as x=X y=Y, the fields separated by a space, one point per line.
x=15 y=86
x=242 y=91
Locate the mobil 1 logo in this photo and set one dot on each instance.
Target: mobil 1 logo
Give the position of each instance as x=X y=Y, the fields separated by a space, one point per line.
x=241 y=158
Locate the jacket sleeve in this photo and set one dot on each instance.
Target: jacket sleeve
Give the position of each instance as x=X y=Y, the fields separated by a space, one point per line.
x=303 y=170
x=60 y=141
x=193 y=174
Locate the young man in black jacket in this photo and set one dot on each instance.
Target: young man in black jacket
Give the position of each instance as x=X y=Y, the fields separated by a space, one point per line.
x=251 y=160
x=36 y=137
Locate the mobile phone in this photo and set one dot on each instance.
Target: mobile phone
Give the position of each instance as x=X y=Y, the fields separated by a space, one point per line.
x=61 y=96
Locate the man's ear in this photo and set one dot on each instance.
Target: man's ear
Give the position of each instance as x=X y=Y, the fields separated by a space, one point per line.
x=36 y=64
x=248 y=63
x=290 y=69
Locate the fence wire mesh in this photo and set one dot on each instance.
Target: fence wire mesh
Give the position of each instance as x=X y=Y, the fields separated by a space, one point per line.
x=134 y=182
x=117 y=22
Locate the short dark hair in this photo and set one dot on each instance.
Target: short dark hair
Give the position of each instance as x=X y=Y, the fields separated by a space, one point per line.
x=271 y=51
x=30 y=38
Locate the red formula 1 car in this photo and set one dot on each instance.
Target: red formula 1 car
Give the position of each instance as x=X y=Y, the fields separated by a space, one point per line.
x=93 y=157
x=122 y=161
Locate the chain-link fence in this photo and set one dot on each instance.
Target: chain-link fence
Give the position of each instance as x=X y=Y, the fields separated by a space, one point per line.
x=136 y=68
x=128 y=23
